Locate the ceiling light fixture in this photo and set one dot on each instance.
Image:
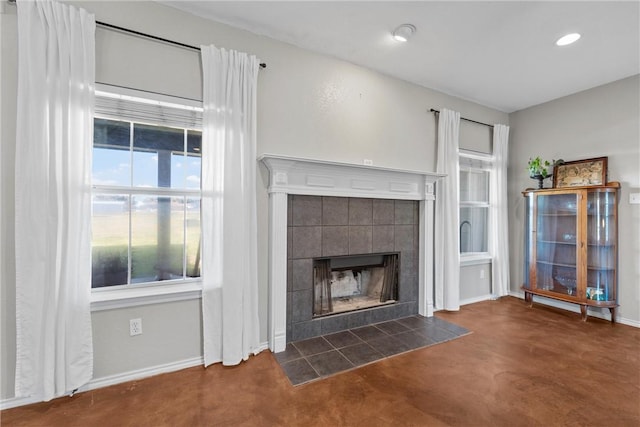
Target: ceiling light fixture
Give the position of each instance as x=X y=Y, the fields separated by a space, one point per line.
x=568 y=39
x=403 y=32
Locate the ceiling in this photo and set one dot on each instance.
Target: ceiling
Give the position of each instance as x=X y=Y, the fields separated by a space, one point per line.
x=500 y=54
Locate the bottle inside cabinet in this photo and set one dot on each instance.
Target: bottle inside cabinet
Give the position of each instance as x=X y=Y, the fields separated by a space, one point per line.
x=571 y=245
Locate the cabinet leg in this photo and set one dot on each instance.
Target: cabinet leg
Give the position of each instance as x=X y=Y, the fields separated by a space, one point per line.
x=528 y=298
x=583 y=310
x=612 y=310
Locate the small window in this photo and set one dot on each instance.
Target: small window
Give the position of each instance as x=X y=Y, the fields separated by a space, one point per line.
x=474 y=203
x=146 y=194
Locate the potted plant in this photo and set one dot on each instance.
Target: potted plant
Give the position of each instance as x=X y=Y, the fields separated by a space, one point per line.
x=539 y=169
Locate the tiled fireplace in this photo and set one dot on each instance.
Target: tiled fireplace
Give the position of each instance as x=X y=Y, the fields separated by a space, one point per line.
x=326 y=210
x=349 y=234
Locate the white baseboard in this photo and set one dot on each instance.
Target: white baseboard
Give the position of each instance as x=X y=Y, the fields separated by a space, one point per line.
x=14 y=402
x=123 y=377
x=476 y=299
x=139 y=374
x=601 y=313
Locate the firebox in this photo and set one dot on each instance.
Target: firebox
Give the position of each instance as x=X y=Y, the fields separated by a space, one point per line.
x=348 y=283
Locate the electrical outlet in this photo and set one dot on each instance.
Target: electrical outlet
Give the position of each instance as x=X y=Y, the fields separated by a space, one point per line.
x=135 y=327
x=368 y=162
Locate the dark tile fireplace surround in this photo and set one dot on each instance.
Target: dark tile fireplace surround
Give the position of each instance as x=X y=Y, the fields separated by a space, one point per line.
x=321 y=226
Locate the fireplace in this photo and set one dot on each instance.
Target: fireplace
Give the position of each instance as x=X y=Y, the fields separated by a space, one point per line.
x=341 y=238
x=320 y=210
x=349 y=283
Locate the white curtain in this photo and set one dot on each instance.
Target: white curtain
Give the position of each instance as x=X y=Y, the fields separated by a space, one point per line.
x=499 y=237
x=53 y=198
x=447 y=238
x=229 y=225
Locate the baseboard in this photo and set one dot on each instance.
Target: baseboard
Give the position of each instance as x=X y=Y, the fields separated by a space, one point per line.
x=593 y=312
x=123 y=377
x=14 y=402
x=139 y=374
x=476 y=299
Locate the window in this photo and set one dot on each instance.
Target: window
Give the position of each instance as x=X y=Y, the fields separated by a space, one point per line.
x=474 y=203
x=146 y=191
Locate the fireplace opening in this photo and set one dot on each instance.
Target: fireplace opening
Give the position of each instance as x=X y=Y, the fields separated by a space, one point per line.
x=348 y=283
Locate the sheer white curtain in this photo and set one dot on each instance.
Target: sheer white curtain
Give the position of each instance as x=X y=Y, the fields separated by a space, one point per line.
x=54 y=352
x=499 y=237
x=229 y=225
x=447 y=238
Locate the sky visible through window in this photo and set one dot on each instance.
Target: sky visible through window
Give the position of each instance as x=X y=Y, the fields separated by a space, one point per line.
x=113 y=168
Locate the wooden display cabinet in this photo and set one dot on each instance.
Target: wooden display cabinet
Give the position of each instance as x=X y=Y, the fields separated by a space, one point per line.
x=571 y=246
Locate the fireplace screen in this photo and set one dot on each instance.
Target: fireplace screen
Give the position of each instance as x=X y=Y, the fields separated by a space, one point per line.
x=354 y=282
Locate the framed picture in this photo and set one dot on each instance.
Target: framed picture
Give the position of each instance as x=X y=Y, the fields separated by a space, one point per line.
x=580 y=173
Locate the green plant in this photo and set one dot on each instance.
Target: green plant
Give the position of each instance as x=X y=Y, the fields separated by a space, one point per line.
x=538 y=167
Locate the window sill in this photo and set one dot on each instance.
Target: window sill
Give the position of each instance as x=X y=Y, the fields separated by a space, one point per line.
x=478 y=258
x=121 y=298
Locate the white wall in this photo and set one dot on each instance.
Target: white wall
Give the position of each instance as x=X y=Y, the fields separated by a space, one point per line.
x=309 y=105
x=604 y=121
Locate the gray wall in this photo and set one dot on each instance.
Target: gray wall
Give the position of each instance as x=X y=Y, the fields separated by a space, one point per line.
x=604 y=121
x=309 y=105
x=475 y=282
x=8 y=90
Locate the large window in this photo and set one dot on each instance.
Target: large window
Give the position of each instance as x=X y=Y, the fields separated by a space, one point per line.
x=146 y=192
x=474 y=203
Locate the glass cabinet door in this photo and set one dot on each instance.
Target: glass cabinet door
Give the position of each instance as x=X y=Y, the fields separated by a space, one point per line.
x=601 y=246
x=556 y=248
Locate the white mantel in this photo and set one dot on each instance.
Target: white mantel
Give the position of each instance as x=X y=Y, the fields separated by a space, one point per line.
x=290 y=175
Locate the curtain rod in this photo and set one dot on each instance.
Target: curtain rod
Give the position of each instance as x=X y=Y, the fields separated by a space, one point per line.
x=152 y=37
x=462 y=118
x=149 y=36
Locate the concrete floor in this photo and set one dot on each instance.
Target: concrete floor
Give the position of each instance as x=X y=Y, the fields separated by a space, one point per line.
x=521 y=366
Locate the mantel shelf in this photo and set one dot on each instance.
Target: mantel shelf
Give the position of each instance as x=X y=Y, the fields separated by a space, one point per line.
x=294 y=175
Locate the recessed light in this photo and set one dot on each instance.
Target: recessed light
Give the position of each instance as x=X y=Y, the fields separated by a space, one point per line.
x=568 y=39
x=403 y=32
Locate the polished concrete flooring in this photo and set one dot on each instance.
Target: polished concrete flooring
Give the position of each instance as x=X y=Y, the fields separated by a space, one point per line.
x=521 y=366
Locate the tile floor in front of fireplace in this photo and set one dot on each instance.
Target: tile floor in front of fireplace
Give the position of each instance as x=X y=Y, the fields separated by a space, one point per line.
x=320 y=357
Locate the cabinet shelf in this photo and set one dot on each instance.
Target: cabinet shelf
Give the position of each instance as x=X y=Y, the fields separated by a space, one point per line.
x=571 y=299
x=557 y=242
x=589 y=267
x=571 y=246
x=557 y=264
x=596 y=268
x=558 y=214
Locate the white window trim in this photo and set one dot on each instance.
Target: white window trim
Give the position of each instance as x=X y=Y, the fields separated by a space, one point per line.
x=152 y=293
x=475 y=258
x=146 y=97
x=132 y=295
x=469 y=154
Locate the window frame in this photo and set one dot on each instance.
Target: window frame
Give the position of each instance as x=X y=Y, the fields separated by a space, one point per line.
x=135 y=294
x=486 y=165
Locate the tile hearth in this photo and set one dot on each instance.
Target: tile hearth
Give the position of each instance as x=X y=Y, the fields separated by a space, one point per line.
x=319 y=357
